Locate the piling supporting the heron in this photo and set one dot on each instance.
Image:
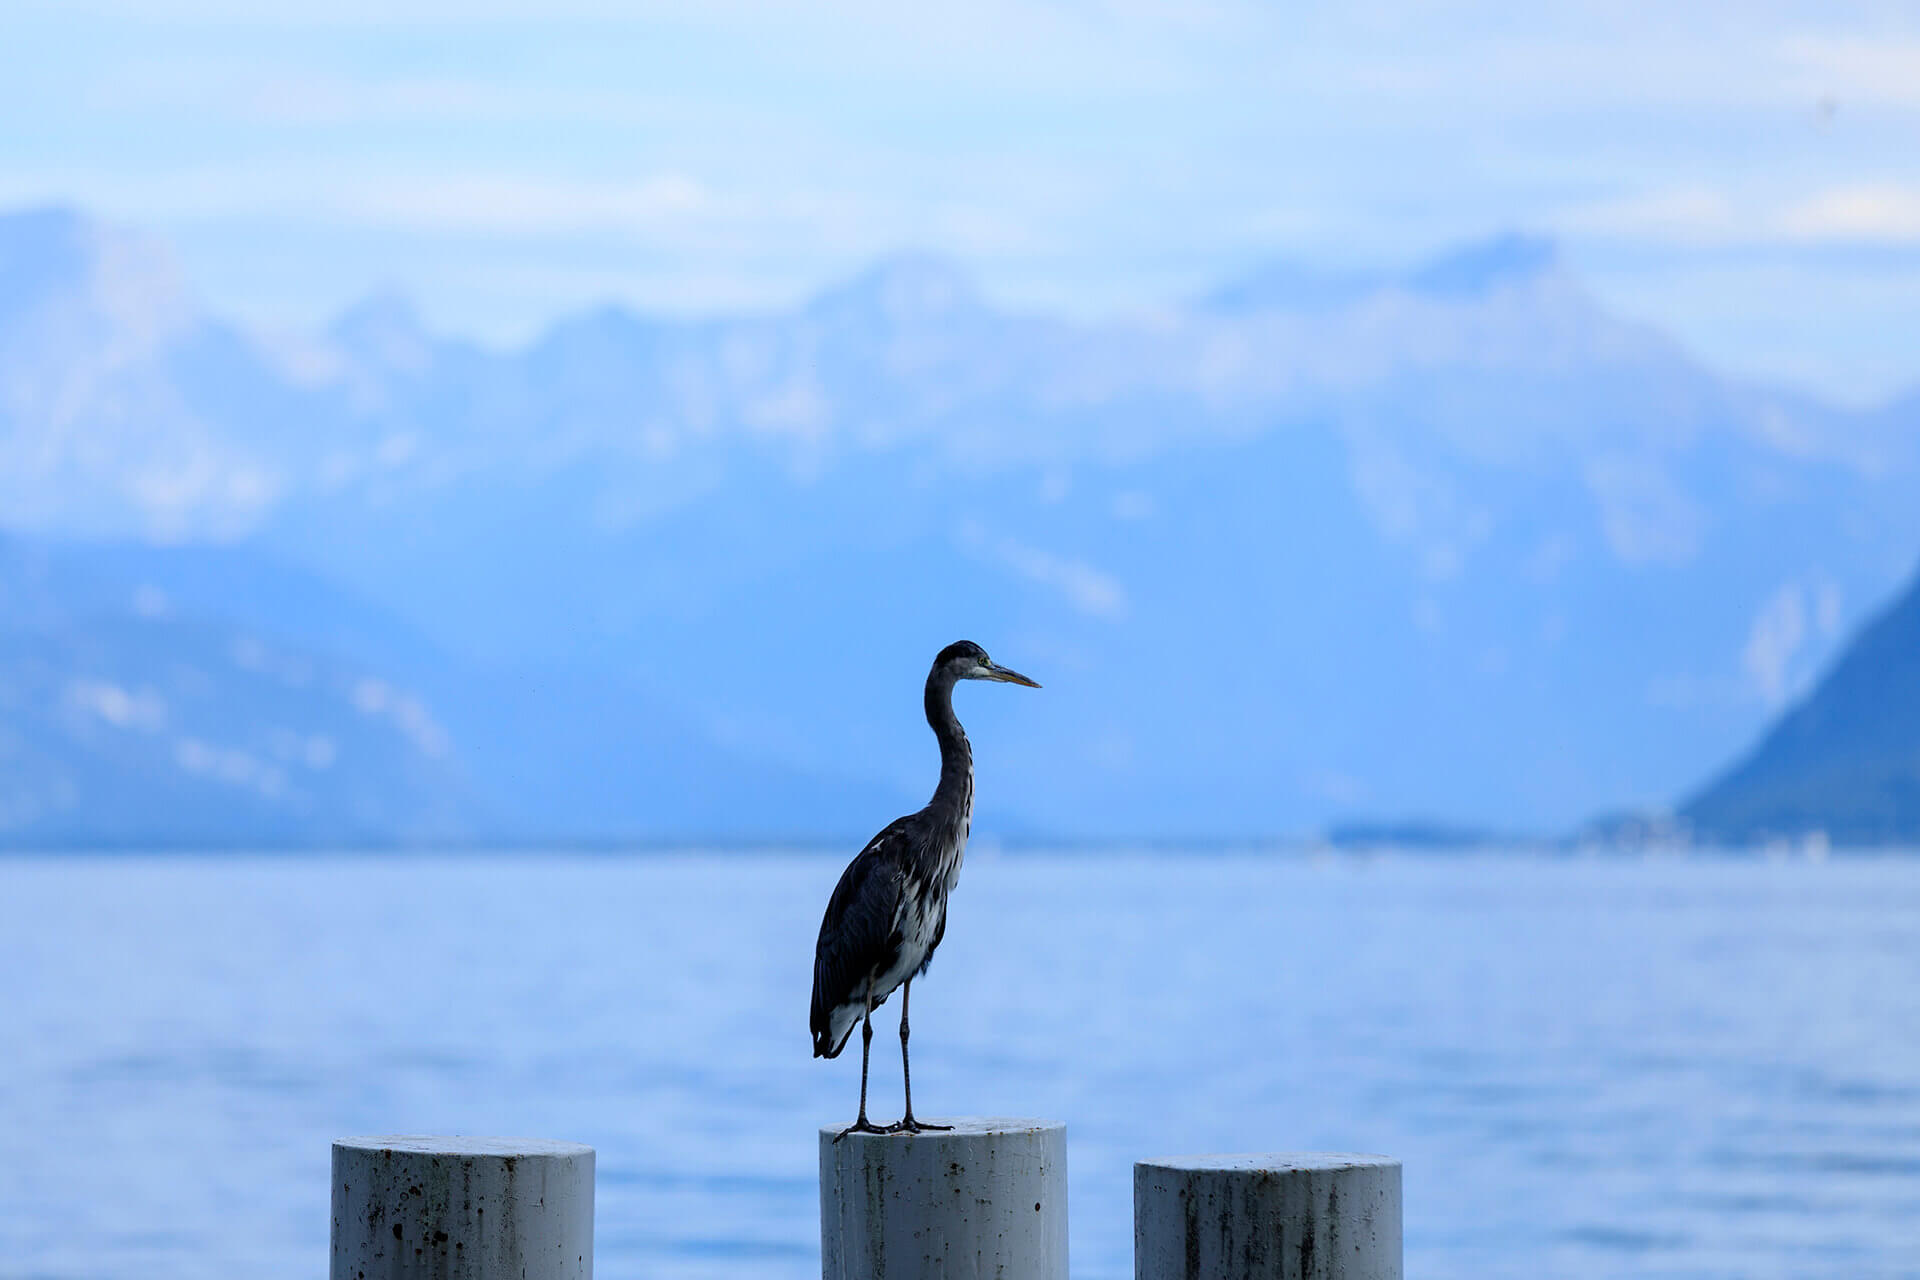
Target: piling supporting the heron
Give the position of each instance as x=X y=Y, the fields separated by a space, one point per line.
x=986 y=1198
x=1292 y=1216
x=474 y=1208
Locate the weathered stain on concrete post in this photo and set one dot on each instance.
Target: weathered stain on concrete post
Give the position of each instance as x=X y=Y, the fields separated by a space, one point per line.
x=987 y=1201
x=1294 y=1216
x=462 y=1209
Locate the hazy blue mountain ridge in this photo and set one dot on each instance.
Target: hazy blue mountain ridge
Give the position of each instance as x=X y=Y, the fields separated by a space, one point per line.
x=132 y=720
x=1452 y=541
x=212 y=697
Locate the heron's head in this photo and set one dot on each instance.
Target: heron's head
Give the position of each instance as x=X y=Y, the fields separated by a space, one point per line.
x=968 y=661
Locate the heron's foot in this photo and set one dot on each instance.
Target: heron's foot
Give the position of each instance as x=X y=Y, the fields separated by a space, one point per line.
x=907 y=1124
x=863 y=1125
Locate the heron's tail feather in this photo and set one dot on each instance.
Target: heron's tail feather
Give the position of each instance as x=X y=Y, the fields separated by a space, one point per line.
x=830 y=1039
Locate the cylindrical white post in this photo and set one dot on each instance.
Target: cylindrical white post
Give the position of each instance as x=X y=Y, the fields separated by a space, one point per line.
x=988 y=1199
x=1298 y=1216
x=475 y=1208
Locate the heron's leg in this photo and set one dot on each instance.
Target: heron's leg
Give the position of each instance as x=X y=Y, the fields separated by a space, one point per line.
x=907 y=1123
x=862 y=1124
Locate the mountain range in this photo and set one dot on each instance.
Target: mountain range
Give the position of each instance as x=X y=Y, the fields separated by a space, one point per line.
x=1453 y=543
x=1844 y=762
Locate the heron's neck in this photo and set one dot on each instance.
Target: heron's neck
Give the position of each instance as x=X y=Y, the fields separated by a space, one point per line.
x=956 y=756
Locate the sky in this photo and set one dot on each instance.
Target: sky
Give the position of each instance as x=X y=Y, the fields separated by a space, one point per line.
x=1745 y=176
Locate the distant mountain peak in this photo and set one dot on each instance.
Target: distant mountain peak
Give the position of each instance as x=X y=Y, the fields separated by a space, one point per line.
x=1477 y=268
x=1467 y=271
x=385 y=329
x=905 y=285
x=380 y=312
x=54 y=252
x=41 y=250
x=1291 y=286
x=46 y=228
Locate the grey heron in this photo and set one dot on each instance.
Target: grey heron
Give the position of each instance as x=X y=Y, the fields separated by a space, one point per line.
x=889 y=911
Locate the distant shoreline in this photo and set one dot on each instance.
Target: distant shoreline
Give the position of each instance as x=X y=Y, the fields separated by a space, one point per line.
x=1290 y=850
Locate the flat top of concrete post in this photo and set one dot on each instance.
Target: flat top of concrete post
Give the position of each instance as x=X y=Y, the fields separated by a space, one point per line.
x=1271 y=1162
x=432 y=1145
x=963 y=1127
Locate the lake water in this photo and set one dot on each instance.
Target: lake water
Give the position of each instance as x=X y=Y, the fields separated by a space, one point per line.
x=1592 y=1068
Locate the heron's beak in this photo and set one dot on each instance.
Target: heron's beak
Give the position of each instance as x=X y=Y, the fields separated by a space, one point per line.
x=998 y=672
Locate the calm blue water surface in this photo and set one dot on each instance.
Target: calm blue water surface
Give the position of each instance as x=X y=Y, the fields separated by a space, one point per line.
x=1701 y=1068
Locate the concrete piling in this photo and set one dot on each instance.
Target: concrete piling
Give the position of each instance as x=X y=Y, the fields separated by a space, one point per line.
x=409 y=1208
x=1294 y=1216
x=988 y=1199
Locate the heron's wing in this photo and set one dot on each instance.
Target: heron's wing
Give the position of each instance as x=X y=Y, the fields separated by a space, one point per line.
x=858 y=934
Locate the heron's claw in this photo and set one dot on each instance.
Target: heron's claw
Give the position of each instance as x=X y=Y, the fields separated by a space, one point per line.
x=862 y=1125
x=907 y=1124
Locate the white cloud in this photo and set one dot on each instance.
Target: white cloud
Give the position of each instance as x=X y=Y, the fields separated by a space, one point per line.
x=1091 y=591
x=506 y=200
x=1876 y=212
x=1684 y=214
x=513 y=204
x=1884 y=212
